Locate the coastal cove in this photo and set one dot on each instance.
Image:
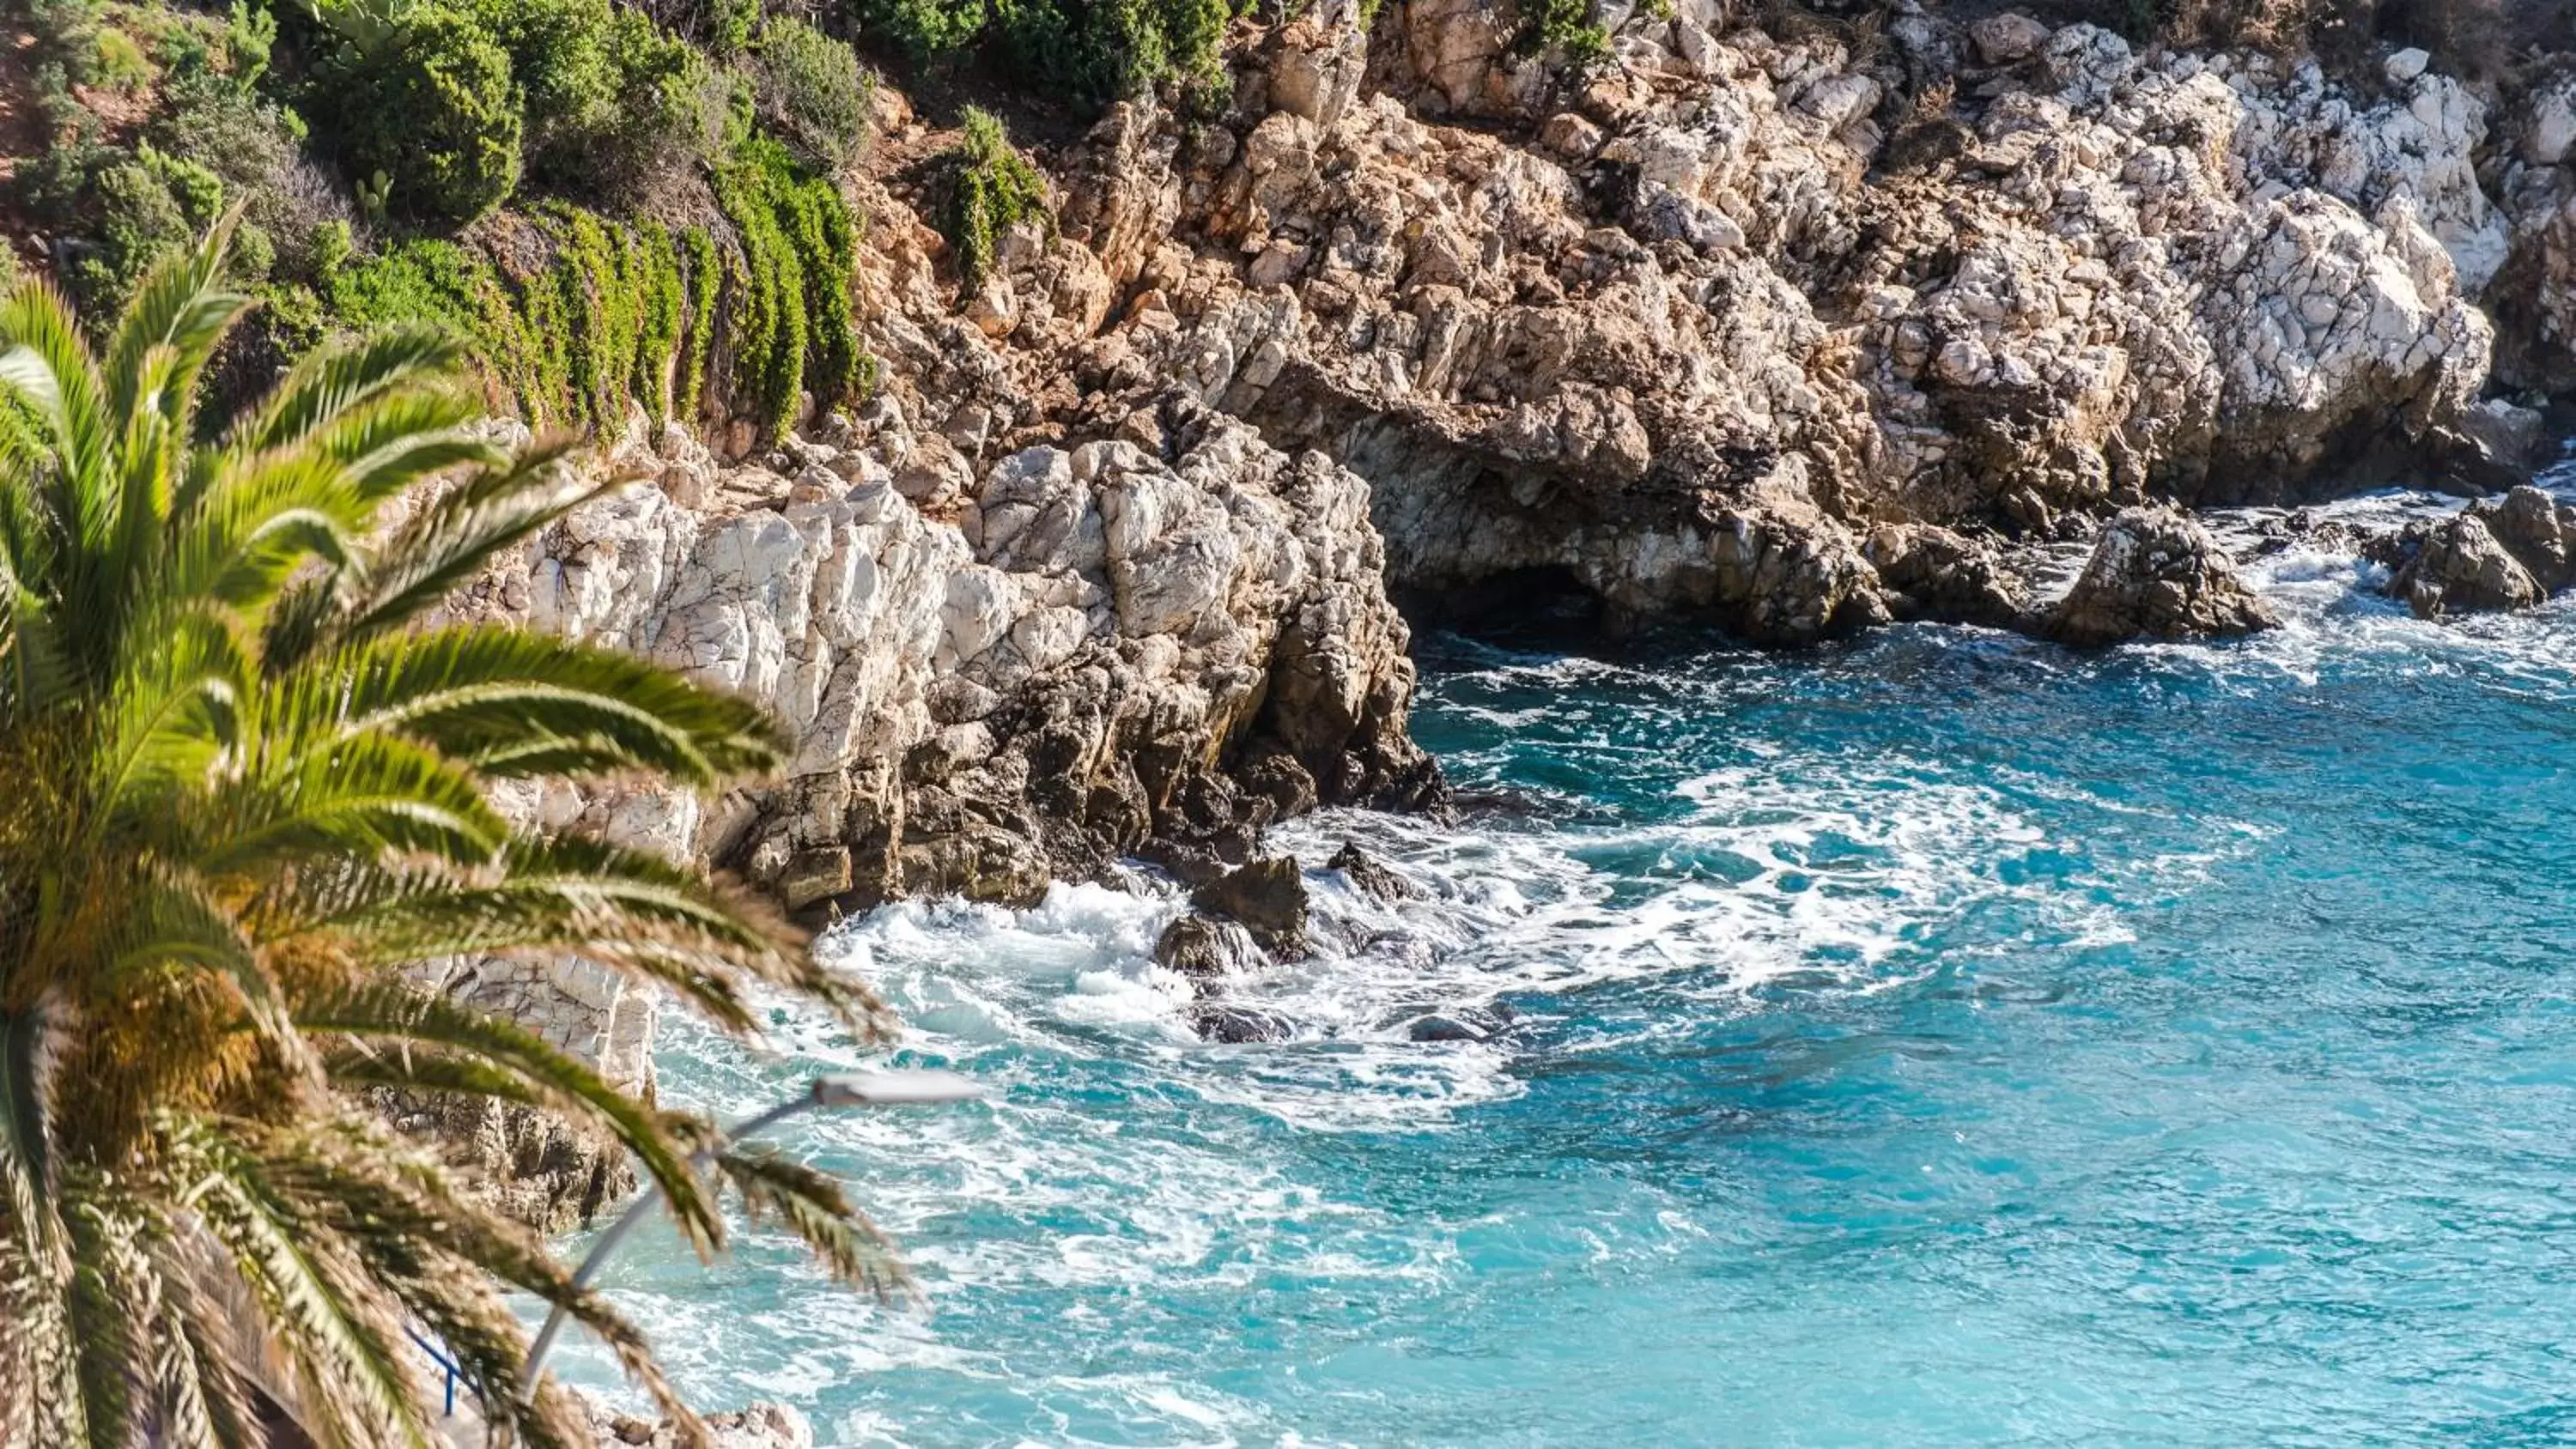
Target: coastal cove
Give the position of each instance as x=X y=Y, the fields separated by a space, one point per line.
x=1939 y=1036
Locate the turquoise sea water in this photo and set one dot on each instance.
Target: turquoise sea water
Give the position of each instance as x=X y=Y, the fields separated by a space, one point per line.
x=1942 y=1038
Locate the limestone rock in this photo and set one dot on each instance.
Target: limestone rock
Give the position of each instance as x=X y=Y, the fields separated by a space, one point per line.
x=2510 y=554
x=1677 y=336
x=760 y=1426
x=2156 y=574
x=2459 y=566
x=1268 y=897
x=1934 y=573
x=2006 y=38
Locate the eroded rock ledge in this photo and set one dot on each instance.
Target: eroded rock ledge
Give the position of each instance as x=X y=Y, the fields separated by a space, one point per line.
x=1697 y=329
x=1761 y=332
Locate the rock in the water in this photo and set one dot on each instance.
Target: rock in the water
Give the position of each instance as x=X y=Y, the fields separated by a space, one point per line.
x=2540 y=532
x=2507 y=555
x=2156 y=574
x=1268 y=897
x=1239 y=1025
x=2460 y=568
x=1933 y=573
x=1202 y=946
x=1472 y=1023
x=761 y=1426
x=1371 y=877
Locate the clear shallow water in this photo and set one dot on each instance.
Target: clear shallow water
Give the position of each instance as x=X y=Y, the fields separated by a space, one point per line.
x=1941 y=1039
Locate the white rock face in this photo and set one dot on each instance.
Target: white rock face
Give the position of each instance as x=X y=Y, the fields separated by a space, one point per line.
x=1100 y=652
x=1684 y=339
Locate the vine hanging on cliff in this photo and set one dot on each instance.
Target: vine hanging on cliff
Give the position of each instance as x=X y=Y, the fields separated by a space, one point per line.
x=630 y=312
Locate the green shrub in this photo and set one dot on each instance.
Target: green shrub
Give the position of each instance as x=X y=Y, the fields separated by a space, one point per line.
x=623 y=311
x=812 y=92
x=611 y=99
x=438 y=112
x=121 y=64
x=142 y=208
x=927 y=30
x=1565 y=30
x=1091 y=51
x=251 y=145
x=992 y=189
x=729 y=24
x=792 y=331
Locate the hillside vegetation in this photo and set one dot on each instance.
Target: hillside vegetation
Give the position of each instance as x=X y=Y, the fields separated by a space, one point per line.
x=613 y=202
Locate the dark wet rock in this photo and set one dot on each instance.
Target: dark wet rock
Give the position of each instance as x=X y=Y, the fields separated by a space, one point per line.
x=1206 y=948
x=2540 y=532
x=2459 y=567
x=1369 y=876
x=1933 y=573
x=1190 y=863
x=1471 y=1023
x=2510 y=554
x=1269 y=897
x=2156 y=574
x=2511 y=438
x=1238 y=1025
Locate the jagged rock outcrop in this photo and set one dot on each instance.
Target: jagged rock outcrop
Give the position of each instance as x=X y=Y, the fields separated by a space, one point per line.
x=1177 y=634
x=2532 y=172
x=1789 y=333
x=997 y=676
x=1685 y=331
x=2511 y=554
x=2156 y=574
x=761 y=1426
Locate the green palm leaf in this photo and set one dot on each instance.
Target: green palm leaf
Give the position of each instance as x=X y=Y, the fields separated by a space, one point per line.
x=246 y=798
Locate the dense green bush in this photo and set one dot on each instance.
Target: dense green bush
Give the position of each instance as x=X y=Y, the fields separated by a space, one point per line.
x=610 y=97
x=624 y=311
x=993 y=188
x=145 y=207
x=1092 y=51
x=792 y=331
x=1565 y=30
x=435 y=107
x=812 y=92
x=434 y=113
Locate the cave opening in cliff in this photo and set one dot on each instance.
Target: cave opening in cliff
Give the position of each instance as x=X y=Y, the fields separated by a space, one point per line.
x=1545 y=604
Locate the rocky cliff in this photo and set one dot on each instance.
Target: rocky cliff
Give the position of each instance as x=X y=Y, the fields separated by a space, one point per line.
x=1788 y=330
x=1687 y=328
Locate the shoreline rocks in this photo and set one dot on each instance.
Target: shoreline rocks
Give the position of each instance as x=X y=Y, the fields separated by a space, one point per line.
x=2509 y=554
x=2156 y=574
x=1789 y=335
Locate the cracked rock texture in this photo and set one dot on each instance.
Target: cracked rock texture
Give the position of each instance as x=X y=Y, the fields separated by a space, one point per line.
x=2156 y=574
x=1790 y=334
x=1688 y=329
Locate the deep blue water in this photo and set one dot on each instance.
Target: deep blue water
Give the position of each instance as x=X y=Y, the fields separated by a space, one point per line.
x=1939 y=1039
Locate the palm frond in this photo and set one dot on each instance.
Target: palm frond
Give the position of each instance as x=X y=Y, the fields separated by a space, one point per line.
x=812 y=1205
x=332 y=1320
x=406 y=1015
x=326 y=385
x=481 y=693
x=447 y=543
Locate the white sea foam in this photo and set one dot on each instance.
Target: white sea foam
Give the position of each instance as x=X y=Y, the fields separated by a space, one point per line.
x=1792 y=868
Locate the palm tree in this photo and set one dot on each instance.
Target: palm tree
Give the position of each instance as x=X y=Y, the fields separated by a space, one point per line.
x=244 y=788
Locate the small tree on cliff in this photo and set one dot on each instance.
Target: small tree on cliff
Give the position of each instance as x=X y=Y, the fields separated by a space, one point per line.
x=243 y=784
